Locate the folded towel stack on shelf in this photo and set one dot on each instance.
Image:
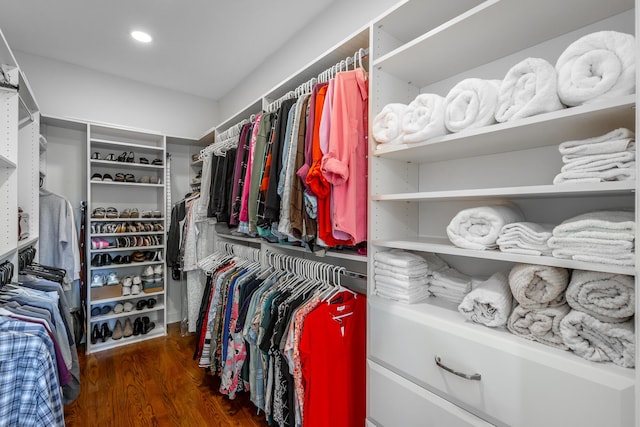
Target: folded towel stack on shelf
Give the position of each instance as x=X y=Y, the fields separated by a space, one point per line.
x=479 y=227
x=529 y=88
x=540 y=293
x=602 y=236
x=526 y=238
x=490 y=302
x=401 y=276
x=597 y=65
x=608 y=157
x=449 y=284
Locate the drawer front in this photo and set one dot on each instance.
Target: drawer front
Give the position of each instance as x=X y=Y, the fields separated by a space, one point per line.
x=514 y=390
x=396 y=402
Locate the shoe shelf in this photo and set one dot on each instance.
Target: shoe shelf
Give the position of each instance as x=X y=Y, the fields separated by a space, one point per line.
x=104 y=146
x=134 y=312
x=110 y=343
x=119 y=298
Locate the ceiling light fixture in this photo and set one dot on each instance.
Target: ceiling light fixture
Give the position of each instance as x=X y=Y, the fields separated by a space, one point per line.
x=141 y=36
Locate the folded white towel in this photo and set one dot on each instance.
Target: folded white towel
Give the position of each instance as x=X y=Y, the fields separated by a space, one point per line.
x=529 y=88
x=471 y=104
x=387 y=124
x=451 y=279
x=416 y=295
x=478 y=228
x=401 y=283
x=435 y=263
x=622 y=259
x=606 y=221
x=539 y=324
x=386 y=269
x=399 y=258
x=601 y=162
x=599 y=341
x=616 y=174
x=607 y=297
x=591 y=245
x=598 y=65
x=423 y=118
x=527 y=238
x=537 y=286
x=614 y=141
x=490 y=303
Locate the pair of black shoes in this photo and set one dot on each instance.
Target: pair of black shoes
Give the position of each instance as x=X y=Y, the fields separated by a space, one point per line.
x=100 y=260
x=100 y=333
x=142 y=325
x=150 y=303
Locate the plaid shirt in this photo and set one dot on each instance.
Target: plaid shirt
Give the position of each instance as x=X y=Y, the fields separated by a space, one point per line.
x=29 y=390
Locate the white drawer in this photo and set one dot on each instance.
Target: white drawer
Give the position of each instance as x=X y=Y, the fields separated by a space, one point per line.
x=396 y=402
x=522 y=383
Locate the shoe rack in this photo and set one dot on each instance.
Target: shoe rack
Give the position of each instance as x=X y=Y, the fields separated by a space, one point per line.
x=126 y=238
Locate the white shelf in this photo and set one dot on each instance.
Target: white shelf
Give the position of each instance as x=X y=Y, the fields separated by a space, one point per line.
x=241 y=238
x=158 y=331
x=7 y=253
x=481 y=35
x=27 y=242
x=538 y=131
x=125 y=165
x=127 y=184
x=347 y=255
x=130 y=248
x=131 y=264
x=126 y=145
x=603 y=189
x=128 y=297
x=132 y=313
x=442 y=245
x=142 y=233
x=7 y=163
x=126 y=219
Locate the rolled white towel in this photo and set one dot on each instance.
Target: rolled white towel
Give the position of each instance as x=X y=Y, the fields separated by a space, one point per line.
x=400 y=258
x=527 y=238
x=601 y=162
x=490 y=303
x=598 y=65
x=614 y=141
x=471 y=104
x=599 y=341
x=539 y=324
x=529 y=88
x=423 y=118
x=607 y=297
x=537 y=286
x=387 y=124
x=612 y=224
x=615 y=174
x=478 y=228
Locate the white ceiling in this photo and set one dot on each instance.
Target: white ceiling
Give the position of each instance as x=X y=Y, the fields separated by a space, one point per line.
x=200 y=47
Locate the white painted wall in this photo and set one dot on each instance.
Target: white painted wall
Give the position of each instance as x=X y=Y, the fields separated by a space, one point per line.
x=69 y=91
x=333 y=25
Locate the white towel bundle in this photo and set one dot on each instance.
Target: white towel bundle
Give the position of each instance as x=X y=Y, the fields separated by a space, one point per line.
x=607 y=297
x=599 y=341
x=387 y=124
x=608 y=157
x=598 y=65
x=529 y=88
x=423 y=118
x=600 y=236
x=537 y=286
x=450 y=284
x=471 y=104
x=539 y=324
x=478 y=228
x=489 y=303
x=402 y=276
x=526 y=238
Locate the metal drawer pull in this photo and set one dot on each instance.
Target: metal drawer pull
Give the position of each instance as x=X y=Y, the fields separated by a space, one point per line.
x=460 y=374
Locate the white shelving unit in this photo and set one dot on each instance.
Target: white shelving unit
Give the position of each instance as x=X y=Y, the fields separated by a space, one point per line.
x=145 y=197
x=415 y=191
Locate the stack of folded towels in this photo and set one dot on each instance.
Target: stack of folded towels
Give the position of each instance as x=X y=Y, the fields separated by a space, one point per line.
x=490 y=302
x=479 y=228
x=600 y=326
x=446 y=282
x=541 y=305
x=608 y=157
x=526 y=238
x=401 y=276
x=602 y=236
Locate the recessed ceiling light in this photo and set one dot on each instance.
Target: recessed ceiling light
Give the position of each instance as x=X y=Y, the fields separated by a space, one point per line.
x=141 y=36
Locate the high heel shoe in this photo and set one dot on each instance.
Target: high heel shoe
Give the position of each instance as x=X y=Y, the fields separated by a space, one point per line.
x=105 y=332
x=117 y=330
x=95 y=334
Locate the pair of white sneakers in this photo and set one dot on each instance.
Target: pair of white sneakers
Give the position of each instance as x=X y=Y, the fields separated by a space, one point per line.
x=152 y=272
x=131 y=285
x=104 y=279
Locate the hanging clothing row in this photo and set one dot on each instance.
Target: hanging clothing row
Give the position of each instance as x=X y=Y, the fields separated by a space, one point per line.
x=39 y=363
x=296 y=173
x=287 y=332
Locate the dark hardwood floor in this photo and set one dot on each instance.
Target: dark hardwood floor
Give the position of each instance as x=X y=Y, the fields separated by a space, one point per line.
x=154 y=383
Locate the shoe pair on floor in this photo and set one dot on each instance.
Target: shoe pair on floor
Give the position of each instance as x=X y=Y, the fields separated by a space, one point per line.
x=140 y=326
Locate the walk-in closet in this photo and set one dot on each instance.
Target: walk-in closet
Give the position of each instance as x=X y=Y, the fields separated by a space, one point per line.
x=384 y=213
